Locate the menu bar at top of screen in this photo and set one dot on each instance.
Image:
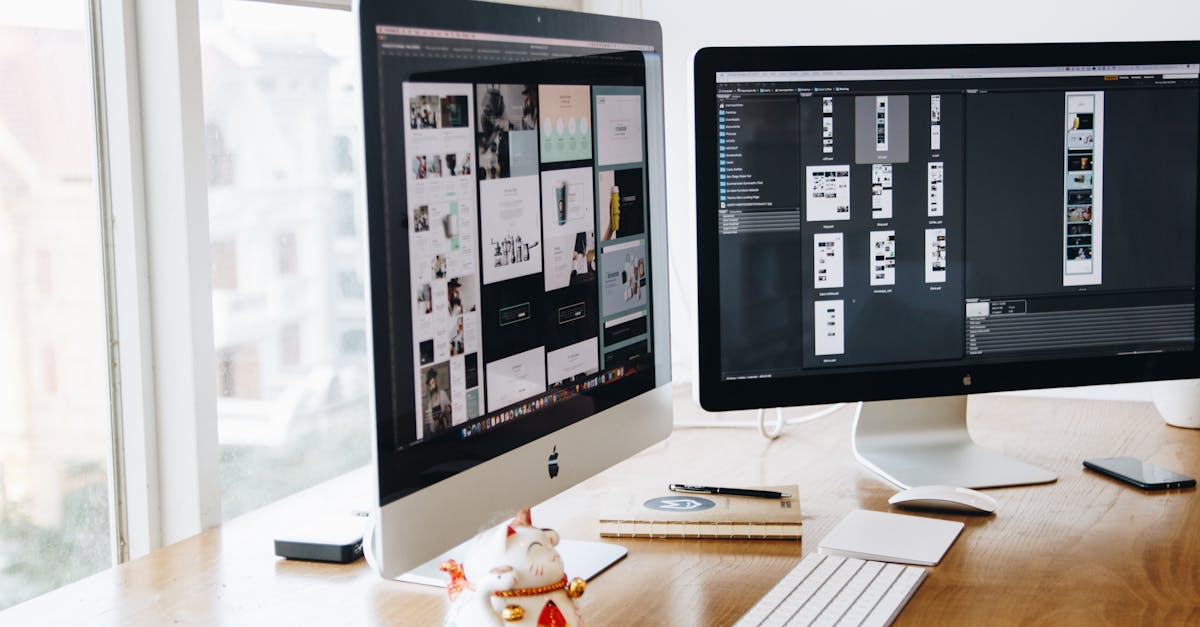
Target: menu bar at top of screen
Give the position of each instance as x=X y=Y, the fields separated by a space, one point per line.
x=434 y=33
x=1167 y=71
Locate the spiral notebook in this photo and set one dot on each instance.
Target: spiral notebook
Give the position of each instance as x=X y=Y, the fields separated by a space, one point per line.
x=665 y=514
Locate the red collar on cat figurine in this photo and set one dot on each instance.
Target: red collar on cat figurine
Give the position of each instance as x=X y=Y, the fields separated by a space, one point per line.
x=458 y=583
x=531 y=592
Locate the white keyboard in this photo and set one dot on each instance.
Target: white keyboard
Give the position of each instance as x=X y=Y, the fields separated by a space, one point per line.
x=832 y=590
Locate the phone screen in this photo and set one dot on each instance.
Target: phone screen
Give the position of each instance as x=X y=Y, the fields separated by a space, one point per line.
x=1140 y=472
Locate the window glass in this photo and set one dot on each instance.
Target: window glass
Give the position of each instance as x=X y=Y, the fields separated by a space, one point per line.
x=282 y=109
x=54 y=403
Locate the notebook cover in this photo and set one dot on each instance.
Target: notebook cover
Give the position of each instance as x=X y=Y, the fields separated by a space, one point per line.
x=887 y=537
x=665 y=514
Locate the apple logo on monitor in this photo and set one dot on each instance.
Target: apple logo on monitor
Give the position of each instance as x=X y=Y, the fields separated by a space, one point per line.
x=552 y=463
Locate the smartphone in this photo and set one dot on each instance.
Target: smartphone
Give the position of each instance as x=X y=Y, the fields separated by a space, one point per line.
x=1142 y=474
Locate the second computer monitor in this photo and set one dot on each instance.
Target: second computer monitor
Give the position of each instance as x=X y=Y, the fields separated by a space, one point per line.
x=901 y=222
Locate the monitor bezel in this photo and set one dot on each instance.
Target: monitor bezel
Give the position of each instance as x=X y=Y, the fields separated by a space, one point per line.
x=909 y=381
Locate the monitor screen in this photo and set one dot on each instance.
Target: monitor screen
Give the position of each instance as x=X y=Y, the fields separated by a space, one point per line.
x=510 y=253
x=878 y=220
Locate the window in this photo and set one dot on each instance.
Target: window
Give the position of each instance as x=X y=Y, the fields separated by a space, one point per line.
x=288 y=259
x=237 y=373
x=224 y=261
x=289 y=345
x=350 y=285
x=50 y=371
x=44 y=266
x=354 y=342
x=220 y=161
x=281 y=105
x=343 y=162
x=347 y=212
x=54 y=403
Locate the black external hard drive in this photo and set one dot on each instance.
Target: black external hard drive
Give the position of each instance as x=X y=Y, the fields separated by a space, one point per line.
x=327 y=539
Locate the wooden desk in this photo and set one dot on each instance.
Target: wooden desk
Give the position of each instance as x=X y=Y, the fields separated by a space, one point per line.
x=1085 y=550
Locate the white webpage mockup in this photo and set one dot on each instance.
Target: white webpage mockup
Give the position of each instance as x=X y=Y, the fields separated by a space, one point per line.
x=883 y=258
x=618 y=129
x=828 y=192
x=511 y=231
x=881 y=191
x=570 y=361
x=881 y=123
x=443 y=238
x=827 y=125
x=568 y=223
x=1084 y=189
x=936 y=190
x=828 y=336
x=517 y=377
x=827 y=260
x=935 y=255
x=622 y=267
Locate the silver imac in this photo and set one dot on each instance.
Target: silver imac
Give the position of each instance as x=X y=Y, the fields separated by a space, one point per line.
x=518 y=261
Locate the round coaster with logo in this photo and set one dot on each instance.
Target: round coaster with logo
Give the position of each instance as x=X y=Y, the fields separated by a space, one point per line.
x=679 y=504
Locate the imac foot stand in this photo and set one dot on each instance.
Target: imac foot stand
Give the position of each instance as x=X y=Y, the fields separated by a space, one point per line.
x=925 y=442
x=580 y=559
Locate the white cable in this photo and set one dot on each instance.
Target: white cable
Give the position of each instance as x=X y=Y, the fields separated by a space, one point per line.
x=760 y=423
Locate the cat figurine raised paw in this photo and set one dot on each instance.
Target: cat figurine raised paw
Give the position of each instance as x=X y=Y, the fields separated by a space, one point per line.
x=513 y=575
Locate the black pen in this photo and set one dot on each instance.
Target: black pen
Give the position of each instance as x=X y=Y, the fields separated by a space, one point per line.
x=700 y=489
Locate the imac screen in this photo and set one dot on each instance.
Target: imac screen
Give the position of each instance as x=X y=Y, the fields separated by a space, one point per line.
x=510 y=253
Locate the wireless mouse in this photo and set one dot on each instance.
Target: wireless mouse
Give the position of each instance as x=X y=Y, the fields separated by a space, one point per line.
x=946 y=498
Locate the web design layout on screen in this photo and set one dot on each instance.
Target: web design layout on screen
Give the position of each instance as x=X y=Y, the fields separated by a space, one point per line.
x=527 y=247
x=1016 y=214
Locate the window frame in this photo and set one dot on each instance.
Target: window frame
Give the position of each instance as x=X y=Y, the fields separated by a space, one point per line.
x=153 y=187
x=152 y=184
x=150 y=139
x=164 y=482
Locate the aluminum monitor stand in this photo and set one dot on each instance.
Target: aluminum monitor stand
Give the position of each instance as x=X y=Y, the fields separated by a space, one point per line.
x=916 y=442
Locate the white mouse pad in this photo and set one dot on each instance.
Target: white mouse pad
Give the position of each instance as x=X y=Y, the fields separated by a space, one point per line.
x=891 y=538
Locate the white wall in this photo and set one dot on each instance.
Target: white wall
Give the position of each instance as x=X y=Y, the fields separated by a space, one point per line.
x=688 y=26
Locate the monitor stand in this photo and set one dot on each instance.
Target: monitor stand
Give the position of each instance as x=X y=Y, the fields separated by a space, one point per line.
x=917 y=442
x=580 y=559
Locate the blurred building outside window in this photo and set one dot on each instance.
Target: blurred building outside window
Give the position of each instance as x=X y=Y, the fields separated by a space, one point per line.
x=54 y=391
x=282 y=109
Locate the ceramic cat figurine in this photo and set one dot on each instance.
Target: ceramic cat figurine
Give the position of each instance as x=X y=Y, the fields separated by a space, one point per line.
x=513 y=576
